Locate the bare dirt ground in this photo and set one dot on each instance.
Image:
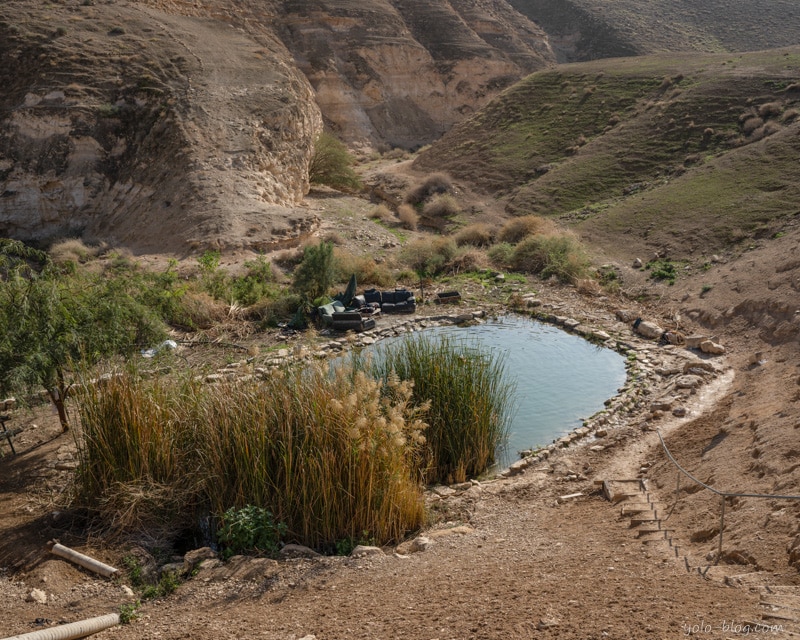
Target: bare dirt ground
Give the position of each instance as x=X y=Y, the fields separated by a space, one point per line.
x=508 y=558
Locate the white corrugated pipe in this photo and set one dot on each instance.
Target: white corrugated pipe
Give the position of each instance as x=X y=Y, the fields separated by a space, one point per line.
x=84 y=561
x=72 y=630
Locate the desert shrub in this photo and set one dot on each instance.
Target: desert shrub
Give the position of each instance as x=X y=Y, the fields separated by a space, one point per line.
x=72 y=250
x=314 y=275
x=790 y=115
x=517 y=229
x=332 y=164
x=501 y=254
x=408 y=216
x=429 y=257
x=382 y=213
x=331 y=454
x=467 y=260
x=752 y=124
x=289 y=258
x=560 y=255
x=662 y=269
x=434 y=184
x=441 y=206
x=770 y=110
x=396 y=154
x=476 y=235
x=366 y=270
x=469 y=400
x=198 y=310
x=269 y=312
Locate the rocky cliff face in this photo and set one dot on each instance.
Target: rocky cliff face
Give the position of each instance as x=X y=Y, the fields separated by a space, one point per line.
x=168 y=125
x=150 y=130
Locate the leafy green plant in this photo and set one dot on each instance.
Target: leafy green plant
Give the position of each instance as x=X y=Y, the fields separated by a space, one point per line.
x=250 y=529
x=559 y=255
x=314 y=276
x=129 y=612
x=662 y=269
x=332 y=164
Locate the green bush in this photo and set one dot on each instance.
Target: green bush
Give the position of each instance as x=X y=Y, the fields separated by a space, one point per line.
x=314 y=275
x=249 y=530
x=561 y=256
x=332 y=164
x=662 y=269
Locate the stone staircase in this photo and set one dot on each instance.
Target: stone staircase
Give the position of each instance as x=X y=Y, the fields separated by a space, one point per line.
x=647 y=518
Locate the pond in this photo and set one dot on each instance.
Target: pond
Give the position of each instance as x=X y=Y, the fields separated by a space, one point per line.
x=560 y=378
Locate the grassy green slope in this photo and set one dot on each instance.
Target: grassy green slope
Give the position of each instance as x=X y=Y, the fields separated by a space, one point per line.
x=645 y=144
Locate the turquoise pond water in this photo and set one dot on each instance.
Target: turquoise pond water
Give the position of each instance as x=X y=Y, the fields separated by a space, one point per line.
x=560 y=378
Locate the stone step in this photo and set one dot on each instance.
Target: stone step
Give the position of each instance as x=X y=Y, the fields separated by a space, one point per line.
x=639 y=520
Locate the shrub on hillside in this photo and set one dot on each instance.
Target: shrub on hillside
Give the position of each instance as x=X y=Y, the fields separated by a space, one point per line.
x=517 y=229
x=430 y=256
x=364 y=267
x=434 y=184
x=408 y=216
x=560 y=255
x=441 y=206
x=476 y=235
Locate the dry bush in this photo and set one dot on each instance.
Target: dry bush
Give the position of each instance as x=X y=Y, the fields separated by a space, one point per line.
x=476 y=235
x=200 y=311
x=770 y=110
x=396 y=154
x=752 y=124
x=441 y=206
x=436 y=183
x=467 y=260
x=73 y=250
x=365 y=269
x=589 y=287
x=334 y=238
x=517 y=229
x=409 y=217
x=556 y=254
x=289 y=258
x=790 y=115
x=382 y=213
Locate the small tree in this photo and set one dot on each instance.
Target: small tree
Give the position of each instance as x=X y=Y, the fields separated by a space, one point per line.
x=313 y=277
x=332 y=164
x=50 y=321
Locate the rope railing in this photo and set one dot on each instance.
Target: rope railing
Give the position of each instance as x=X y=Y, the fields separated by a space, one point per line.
x=724 y=495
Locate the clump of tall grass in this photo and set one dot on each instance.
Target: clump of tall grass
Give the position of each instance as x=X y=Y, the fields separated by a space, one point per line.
x=329 y=454
x=365 y=268
x=470 y=401
x=434 y=184
x=476 y=235
x=560 y=255
x=517 y=229
x=409 y=218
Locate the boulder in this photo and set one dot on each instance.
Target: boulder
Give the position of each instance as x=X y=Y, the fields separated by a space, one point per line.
x=712 y=348
x=649 y=330
x=197 y=556
x=38 y=596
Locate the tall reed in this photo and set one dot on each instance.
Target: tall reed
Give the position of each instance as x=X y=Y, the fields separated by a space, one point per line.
x=469 y=396
x=330 y=454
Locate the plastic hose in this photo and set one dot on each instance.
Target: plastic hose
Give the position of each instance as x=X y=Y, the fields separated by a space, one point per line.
x=72 y=630
x=84 y=561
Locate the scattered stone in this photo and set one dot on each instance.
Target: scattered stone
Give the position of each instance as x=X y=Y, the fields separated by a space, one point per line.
x=500 y=277
x=174 y=568
x=693 y=342
x=694 y=366
x=38 y=596
x=443 y=533
x=638 y=264
x=309 y=637
x=679 y=412
x=197 y=556
x=547 y=623
x=571 y=323
x=623 y=315
x=298 y=551
x=597 y=447
x=363 y=550
x=601 y=433
x=712 y=348
x=571 y=496
x=649 y=330
x=600 y=335
x=664 y=404
x=443 y=491
x=419 y=544
x=518 y=467
x=688 y=382
x=128 y=591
